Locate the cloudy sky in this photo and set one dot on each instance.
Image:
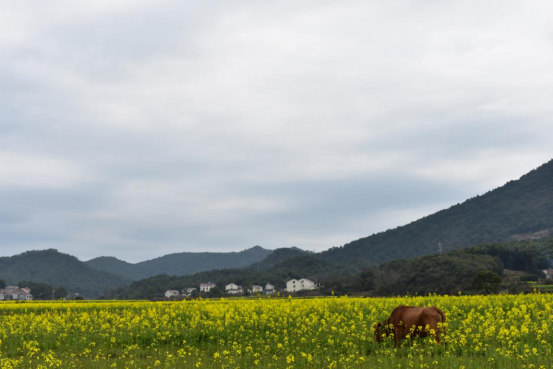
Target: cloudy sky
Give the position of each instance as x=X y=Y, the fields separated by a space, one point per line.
x=141 y=128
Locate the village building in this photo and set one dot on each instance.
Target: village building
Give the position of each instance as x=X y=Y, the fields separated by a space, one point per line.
x=548 y=273
x=206 y=287
x=171 y=293
x=233 y=289
x=188 y=291
x=24 y=296
x=257 y=289
x=269 y=289
x=303 y=284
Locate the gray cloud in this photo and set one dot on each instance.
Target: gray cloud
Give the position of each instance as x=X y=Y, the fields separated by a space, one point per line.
x=136 y=129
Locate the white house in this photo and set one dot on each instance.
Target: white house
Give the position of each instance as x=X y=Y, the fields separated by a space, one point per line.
x=269 y=288
x=548 y=273
x=257 y=289
x=233 y=289
x=189 y=290
x=24 y=296
x=171 y=293
x=303 y=284
x=206 y=287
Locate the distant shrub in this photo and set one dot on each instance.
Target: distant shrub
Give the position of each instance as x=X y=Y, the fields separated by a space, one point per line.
x=529 y=278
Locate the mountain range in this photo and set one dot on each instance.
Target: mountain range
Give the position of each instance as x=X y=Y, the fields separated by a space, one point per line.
x=182 y=263
x=520 y=210
x=98 y=276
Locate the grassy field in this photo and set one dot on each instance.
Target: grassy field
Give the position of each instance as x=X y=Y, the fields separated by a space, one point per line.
x=482 y=331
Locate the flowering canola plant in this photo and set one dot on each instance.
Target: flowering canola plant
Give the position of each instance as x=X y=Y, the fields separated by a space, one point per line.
x=503 y=331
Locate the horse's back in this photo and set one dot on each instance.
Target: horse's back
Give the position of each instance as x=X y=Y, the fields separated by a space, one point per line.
x=417 y=316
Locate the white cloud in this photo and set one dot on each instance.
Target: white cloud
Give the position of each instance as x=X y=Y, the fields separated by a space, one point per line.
x=219 y=126
x=27 y=170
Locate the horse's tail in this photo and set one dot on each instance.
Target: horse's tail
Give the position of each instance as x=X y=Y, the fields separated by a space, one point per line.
x=442 y=315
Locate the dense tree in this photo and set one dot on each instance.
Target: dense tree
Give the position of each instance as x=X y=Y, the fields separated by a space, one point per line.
x=60 y=292
x=525 y=256
x=486 y=281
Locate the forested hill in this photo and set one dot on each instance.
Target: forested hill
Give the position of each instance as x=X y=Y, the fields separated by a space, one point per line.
x=449 y=272
x=514 y=211
x=278 y=256
x=58 y=269
x=183 y=263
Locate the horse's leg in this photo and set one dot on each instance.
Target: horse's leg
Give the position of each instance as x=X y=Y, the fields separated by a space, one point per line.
x=437 y=335
x=398 y=335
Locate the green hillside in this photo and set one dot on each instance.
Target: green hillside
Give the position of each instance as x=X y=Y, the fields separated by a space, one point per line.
x=113 y=265
x=446 y=273
x=514 y=211
x=184 y=263
x=277 y=257
x=58 y=269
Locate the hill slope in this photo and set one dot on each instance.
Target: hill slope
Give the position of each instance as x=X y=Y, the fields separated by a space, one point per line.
x=516 y=210
x=450 y=272
x=113 y=265
x=58 y=269
x=446 y=273
x=184 y=263
x=278 y=256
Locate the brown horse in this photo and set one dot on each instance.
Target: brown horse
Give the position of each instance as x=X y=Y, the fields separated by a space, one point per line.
x=416 y=321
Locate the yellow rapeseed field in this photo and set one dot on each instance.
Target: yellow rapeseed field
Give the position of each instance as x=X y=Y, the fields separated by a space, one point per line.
x=482 y=332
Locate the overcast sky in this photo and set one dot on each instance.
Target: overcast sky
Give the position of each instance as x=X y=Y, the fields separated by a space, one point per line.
x=141 y=128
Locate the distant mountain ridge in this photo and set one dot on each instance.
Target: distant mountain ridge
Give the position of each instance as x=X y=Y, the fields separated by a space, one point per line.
x=278 y=256
x=520 y=207
x=184 y=263
x=58 y=269
x=519 y=210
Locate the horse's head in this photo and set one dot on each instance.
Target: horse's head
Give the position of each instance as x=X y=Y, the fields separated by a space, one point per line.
x=382 y=330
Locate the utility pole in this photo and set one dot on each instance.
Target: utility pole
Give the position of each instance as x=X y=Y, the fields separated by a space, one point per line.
x=440 y=248
x=53 y=294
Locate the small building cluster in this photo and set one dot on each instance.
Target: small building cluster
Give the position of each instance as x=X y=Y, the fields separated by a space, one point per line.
x=234 y=289
x=15 y=293
x=293 y=285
